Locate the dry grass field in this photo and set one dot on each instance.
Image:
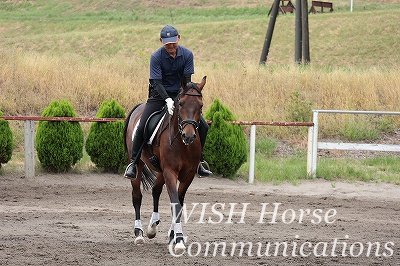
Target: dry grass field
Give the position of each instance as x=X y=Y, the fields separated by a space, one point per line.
x=87 y=52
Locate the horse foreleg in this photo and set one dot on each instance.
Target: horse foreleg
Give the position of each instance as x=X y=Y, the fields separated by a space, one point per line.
x=176 y=209
x=137 y=202
x=182 y=189
x=155 y=217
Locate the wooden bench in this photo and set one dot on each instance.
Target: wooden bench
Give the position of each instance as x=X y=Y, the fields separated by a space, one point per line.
x=284 y=7
x=321 y=5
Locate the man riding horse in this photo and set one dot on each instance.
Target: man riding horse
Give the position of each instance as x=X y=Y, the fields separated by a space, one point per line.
x=168 y=66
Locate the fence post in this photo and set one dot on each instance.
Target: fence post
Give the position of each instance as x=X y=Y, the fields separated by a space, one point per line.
x=314 y=145
x=310 y=150
x=29 y=146
x=252 y=152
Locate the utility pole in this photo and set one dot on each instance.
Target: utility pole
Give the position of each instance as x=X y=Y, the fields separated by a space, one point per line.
x=297 y=41
x=270 y=31
x=305 y=35
x=302 y=44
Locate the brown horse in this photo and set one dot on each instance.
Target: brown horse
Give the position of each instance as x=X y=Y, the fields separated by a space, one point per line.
x=178 y=149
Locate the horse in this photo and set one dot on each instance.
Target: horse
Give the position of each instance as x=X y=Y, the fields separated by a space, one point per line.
x=178 y=150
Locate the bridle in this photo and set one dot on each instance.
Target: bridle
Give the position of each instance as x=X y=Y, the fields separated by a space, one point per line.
x=183 y=123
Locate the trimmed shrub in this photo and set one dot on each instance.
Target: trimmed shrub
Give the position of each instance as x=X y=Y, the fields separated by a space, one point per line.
x=59 y=144
x=105 y=142
x=6 y=141
x=225 y=149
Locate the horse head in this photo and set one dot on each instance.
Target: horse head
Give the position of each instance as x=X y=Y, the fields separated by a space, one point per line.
x=190 y=104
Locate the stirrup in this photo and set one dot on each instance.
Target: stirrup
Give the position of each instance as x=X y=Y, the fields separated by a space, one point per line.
x=202 y=171
x=130 y=171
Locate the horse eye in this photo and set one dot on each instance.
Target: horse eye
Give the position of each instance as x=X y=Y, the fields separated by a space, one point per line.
x=181 y=104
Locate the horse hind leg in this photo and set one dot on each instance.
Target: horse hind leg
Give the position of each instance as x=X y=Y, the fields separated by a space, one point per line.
x=155 y=217
x=137 y=202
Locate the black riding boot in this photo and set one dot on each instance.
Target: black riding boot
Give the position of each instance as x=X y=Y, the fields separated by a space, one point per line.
x=201 y=170
x=137 y=146
x=203 y=128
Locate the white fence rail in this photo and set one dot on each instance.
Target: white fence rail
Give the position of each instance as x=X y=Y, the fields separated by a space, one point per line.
x=314 y=145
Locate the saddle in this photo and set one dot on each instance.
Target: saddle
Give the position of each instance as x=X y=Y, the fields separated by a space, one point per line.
x=153 y=123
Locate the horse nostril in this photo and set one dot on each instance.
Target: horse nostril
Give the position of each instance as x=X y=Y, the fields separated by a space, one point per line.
x=194 y=136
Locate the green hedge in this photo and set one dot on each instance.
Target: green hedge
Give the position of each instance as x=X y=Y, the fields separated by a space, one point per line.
x=225 y=149
x=59 y=144
x=6 y=141
x=105 y=142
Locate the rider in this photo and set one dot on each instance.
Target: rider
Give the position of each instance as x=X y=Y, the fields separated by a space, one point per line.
x=168 y=65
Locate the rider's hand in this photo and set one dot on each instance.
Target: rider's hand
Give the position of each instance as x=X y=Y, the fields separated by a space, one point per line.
x=170 y=105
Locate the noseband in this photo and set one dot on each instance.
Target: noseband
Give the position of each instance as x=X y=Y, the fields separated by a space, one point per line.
x=183 y=123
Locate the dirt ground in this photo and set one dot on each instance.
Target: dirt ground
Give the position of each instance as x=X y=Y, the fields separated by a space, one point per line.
x=87 y=219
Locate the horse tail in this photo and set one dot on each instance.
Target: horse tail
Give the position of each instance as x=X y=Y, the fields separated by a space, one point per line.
x=148 y=178
x=128 y=118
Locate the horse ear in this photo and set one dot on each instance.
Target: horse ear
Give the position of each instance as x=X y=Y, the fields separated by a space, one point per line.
x=202 y=83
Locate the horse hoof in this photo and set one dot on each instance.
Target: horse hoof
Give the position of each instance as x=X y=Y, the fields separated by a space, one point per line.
x=139 y=240
x=179 y=248
x=152 y=230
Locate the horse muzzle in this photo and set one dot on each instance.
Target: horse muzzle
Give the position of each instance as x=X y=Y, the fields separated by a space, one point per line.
x=188 y=138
